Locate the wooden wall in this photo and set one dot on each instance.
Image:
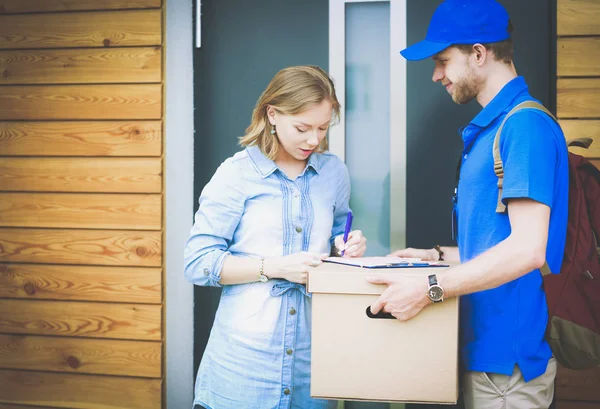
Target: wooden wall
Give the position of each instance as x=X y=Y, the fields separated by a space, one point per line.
x=81 y=204
x=578 y=69
x=578 y=109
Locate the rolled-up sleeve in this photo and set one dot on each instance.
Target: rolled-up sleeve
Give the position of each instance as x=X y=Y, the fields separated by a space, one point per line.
x=221 y=206
x=342 y=202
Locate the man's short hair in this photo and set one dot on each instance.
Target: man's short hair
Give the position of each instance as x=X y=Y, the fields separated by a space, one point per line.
x=502 y=50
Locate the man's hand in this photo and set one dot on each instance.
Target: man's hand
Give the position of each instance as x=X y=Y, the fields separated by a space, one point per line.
x=450 y=254
x=405 y=296
x=423 y=254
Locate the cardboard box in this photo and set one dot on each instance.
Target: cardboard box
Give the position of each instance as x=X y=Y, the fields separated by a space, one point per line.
x=355 y=357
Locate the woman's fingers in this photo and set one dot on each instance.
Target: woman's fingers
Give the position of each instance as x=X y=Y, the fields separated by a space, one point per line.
x=356 y=251
x=356 y=244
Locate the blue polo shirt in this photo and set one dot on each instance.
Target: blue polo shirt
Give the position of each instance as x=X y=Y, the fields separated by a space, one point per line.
x=505 y=326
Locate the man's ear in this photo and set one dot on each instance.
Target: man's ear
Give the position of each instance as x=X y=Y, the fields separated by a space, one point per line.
x=480 y=53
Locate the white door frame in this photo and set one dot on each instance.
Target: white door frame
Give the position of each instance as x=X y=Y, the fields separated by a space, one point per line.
x=178 y=207
x=337 y=134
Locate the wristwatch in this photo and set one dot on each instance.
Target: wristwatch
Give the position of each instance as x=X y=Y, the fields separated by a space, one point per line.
x=261 y=271
x=435 y=292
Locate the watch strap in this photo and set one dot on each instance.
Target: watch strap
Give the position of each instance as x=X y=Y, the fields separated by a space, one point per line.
x=440 y=252
x=432 y=280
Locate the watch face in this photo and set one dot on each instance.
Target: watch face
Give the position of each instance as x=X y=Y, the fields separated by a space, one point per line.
x=435 y=293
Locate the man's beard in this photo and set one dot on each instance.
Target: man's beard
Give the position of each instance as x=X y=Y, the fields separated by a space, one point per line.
x=467 y=88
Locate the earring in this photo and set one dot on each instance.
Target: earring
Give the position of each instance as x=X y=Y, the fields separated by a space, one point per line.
x=273 y=130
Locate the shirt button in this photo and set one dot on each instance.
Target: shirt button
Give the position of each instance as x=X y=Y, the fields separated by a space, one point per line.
x=465 y=156
x=299 y=229
x=206 y=272
x=292 y=311
x=286 y=391
x=289 y=351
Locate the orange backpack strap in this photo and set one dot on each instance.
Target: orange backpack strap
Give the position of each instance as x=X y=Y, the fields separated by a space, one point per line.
x=498 y=167
x=545 y=269
x=583 y=142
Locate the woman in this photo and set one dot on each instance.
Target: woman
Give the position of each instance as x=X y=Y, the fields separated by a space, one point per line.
x=269 y=215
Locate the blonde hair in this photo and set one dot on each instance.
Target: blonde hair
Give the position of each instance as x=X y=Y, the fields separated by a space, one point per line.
x=291 y=91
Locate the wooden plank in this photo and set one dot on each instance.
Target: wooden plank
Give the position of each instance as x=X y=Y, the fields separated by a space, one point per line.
x=576 y=405
x=596 y=163
x=578 y=17
x=578 y=385
x=99 y=247
x=123 y=138
x=87 y=29
x=136 y=101
x=578 y=98
x=81 y=283
x=36 y=6
x=81 y=210
x=79 y=355
x=81 y=319
x=80 y=66
x=13 y=406
x=127 y=175
x=578 y=56
x=574 y=128
x=79 y=391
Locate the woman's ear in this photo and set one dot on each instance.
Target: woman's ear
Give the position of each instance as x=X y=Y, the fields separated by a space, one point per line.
x=271 y=114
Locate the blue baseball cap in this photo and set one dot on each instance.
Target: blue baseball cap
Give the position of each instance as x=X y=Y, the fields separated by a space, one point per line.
x=461 y=22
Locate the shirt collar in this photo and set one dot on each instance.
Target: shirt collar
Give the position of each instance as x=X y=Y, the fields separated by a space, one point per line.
x=266 y=166
x=501 y=102
x=313 y=162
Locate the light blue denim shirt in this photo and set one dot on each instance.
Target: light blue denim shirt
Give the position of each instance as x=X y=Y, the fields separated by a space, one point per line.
x=258 y=353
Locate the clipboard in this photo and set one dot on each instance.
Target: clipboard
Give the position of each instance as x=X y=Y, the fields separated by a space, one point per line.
x=384 y=262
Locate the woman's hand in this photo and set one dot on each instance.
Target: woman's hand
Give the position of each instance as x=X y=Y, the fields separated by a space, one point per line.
x=294 y=267
x=425 y=255
x=354 y=247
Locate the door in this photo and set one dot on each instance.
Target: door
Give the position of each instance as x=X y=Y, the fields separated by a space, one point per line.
x=243 y=44
x=403 y=177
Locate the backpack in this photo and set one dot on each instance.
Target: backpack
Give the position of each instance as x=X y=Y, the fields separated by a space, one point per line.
x=572 y=295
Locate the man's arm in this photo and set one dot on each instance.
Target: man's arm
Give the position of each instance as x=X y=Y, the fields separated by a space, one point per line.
x=522 y=251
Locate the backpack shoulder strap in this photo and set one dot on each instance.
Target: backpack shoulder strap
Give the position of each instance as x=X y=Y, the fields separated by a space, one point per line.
x=498 y=167
x=583 y=142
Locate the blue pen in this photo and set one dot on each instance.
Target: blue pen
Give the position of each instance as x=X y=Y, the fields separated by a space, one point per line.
x=347 y=229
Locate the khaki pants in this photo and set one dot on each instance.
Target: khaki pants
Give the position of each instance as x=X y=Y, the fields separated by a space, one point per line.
x=483 y=390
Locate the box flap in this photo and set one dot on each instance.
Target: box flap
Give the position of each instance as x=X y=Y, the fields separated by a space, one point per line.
x=333 y=278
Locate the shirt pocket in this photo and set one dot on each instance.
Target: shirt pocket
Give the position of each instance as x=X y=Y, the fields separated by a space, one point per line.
x=251 y=315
